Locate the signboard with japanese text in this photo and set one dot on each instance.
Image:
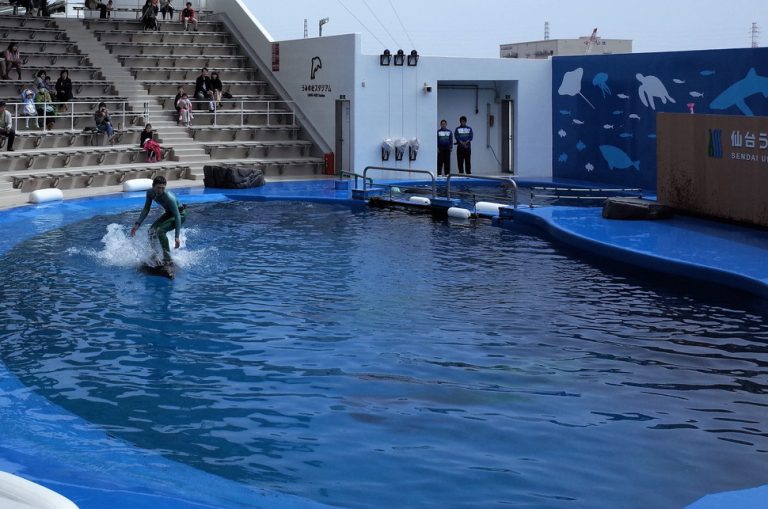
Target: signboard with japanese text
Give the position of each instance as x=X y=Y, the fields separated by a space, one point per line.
x=716 y=165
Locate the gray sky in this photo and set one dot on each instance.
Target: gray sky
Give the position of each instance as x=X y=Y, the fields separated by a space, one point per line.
x=475 y=28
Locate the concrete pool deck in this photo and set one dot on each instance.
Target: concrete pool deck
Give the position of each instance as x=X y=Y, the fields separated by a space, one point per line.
x=717 y=252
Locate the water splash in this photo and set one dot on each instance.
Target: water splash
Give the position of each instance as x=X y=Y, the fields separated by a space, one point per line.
x=121 y=250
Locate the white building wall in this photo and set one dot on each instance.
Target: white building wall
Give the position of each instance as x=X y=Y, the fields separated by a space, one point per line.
x=390 y=102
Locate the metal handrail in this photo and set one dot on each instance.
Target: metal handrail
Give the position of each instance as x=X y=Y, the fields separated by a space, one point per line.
x=403 y=170
x=343 y=174
x=481 y=177
x=17 y=112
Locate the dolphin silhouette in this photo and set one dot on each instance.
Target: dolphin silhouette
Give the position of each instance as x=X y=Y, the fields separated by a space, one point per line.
x=317 y=64
x=736 y=94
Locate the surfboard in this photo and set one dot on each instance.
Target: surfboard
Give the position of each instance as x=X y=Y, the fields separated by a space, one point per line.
x=167 y=270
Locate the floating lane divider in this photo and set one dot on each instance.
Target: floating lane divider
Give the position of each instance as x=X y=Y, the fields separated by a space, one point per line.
x=46 y=195
x=16 y=492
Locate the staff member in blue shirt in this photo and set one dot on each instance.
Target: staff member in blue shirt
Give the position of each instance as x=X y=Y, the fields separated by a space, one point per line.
x=464 y=137
x=444 y=149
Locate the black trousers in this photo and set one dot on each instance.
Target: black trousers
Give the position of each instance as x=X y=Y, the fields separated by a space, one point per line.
x=464 y=159
x=10 y=134
x=443 y=161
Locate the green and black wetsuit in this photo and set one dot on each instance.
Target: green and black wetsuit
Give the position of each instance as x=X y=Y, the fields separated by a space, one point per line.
x=174 y=216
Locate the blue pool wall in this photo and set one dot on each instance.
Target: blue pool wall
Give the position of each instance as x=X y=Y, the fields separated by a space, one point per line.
x=596 y=102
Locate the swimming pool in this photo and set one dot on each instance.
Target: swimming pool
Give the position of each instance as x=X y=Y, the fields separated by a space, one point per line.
x=317 y=350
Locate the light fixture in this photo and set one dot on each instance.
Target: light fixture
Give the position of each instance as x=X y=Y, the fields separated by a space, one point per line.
x=320 y=25
x=400 y=57
x=385 y=58
x=413 y=58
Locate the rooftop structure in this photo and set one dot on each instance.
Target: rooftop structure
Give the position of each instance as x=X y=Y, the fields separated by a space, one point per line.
x=565 y=47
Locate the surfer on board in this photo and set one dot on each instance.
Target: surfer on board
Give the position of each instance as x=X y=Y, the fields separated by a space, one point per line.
x=174 y=216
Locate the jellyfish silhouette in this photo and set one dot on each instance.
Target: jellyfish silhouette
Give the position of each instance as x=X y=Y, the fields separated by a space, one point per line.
x=601 y=80
x=571 y=84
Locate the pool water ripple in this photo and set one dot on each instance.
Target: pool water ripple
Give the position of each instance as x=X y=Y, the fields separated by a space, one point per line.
x=375 y=359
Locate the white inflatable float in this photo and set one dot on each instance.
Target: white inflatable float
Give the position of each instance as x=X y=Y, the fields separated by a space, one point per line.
x=46 y=195
x=137 y=185
x=459 y=213
x=18 y=493
x=488 y=208
x=420 y=200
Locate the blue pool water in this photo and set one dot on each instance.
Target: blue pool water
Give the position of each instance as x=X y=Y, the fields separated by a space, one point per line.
x=375 y=359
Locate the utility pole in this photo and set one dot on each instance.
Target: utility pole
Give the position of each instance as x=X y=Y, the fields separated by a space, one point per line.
x=306 y=30
x=546 y=30
x=755 y=35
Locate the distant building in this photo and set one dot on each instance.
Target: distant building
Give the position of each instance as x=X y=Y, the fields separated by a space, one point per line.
x=564 y=47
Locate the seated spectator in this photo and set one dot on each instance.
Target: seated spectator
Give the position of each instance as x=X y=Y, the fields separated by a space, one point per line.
x=184 y=105
x=45 y=109
x=6 y=126
x=40 y=81
x=216 y=87
x=147 y=142
x=179 y=93
x=203 y=89
x=188 y=17
x=28 y=108
x=104 y=122
x=166 y=8
x=149 y=16
x=64 y=90
x=12 y=60
x=96 y=4
x=110 y=8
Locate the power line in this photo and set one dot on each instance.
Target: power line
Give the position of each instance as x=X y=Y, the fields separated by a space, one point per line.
x=402 y=25
x=361 y=24
x=382 y=24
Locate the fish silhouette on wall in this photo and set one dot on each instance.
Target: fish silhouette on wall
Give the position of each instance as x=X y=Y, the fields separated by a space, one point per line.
x=736 y=94
x=617 y=158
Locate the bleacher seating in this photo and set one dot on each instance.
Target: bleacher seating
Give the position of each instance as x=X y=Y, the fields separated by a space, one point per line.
x=255 y=127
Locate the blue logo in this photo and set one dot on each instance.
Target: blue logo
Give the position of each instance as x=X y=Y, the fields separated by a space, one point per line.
x=715 y=147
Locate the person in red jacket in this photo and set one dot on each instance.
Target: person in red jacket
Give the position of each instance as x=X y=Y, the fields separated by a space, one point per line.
x=188 y=17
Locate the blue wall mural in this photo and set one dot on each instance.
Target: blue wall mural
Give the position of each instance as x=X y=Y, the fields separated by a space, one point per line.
x=604 y=107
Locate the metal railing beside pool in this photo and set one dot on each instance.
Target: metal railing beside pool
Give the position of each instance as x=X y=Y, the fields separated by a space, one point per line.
x=509 y=180
x=580 y=193
x=402 y=170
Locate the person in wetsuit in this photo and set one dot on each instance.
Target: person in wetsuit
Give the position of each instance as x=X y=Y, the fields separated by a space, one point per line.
x=174 y=216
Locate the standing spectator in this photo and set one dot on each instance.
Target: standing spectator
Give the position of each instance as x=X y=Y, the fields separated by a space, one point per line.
x=64 y=90
x=216 y=87
x=97 y=5
x=444 y=149
x=464 y=137
x=148 y=143
x=12 y=59
x=28 y=108
x=188 y=16
x=166 y=7
x=45 y=109
x=104 y=122
x=203 y=90
x=110 y=8
x=184 y=105
x=6 y=126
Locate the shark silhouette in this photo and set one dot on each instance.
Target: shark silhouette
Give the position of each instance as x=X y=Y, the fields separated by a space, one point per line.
x=736 y=94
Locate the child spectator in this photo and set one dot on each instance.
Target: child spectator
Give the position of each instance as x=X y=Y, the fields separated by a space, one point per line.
x=6 y=126
x=216 y=87
x=64 y=90
x=40 y=81
x=28 y=105
x=12 y=60
x=188 y=16
x=45 y=109
x=184 y=105
x=154 y=154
